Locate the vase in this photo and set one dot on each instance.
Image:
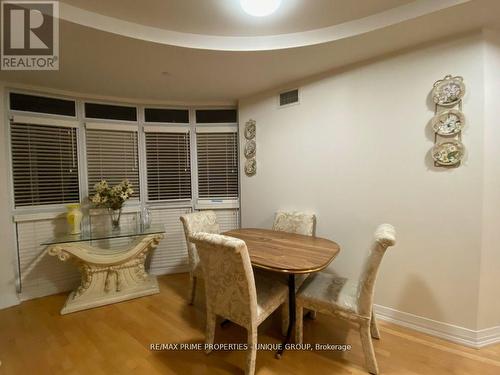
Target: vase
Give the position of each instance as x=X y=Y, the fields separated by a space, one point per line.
x=145 y=217
x=74 y=218
x=115 y=218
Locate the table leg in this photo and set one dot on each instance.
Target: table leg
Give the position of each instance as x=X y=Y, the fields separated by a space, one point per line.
x=291 y=314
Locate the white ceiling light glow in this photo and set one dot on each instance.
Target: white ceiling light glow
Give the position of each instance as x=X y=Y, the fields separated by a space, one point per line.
x=260 y=8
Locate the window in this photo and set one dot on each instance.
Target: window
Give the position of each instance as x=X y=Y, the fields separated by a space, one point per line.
x=214 y=116
x=40 y=104
x=44 y=164
x=217 y=165
x=112 y=155
x=166 y=115
x=168 y=164
x=110 y=112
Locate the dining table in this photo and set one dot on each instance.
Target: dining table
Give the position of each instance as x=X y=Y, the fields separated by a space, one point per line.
x=287 y=253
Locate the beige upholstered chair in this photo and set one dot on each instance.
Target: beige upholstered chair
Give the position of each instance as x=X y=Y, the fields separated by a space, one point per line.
x=232 y=291
x=349 y=299
x=299 y=223
x=295 y=222
x=202 y=221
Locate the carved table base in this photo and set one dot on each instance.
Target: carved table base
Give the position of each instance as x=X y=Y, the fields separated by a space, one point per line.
x=108 y=276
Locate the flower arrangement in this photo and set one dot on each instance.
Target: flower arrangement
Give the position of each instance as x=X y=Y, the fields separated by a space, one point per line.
x=112 y=197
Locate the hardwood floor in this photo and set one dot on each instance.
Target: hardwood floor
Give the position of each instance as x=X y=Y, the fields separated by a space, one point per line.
x=115 y=339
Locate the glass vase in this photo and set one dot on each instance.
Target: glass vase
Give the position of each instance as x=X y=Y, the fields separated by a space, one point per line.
x=115 y=218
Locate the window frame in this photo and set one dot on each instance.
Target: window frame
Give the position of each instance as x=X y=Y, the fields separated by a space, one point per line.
x=10 y=114
x=106 y=126
x=133 y=205
x=222 y=127
x=168 y=128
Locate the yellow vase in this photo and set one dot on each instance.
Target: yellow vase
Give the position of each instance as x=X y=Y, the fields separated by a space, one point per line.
x=74 y=218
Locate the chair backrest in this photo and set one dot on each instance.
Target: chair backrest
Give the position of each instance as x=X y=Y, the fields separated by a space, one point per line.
x=201 y=221
x=295 y=222
x=385 y=236
x=229 y=281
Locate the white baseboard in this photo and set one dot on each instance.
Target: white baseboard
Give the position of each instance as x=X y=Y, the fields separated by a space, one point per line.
x=450 y=332
x=9 y=300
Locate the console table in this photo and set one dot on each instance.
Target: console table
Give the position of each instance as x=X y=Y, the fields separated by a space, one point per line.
x=108 y=275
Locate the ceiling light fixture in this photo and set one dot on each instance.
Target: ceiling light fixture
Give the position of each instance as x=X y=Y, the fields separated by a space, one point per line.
x=260 y=8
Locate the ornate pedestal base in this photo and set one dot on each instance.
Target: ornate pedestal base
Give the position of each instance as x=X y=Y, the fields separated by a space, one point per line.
x=108 y=276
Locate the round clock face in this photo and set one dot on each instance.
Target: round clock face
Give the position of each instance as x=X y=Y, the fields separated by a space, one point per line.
x=448 y=153
x=448 y=91
x=448 y=122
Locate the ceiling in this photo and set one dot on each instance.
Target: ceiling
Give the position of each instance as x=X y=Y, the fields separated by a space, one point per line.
x=97 y=62
x=225 y=17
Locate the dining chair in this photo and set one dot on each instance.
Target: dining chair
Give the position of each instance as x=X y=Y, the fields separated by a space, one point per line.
x=201 y=221
x=347 y=298
x=295 y=222
x=299 y=223
x=232 y=290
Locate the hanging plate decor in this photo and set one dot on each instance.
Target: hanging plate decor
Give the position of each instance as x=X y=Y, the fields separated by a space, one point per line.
x=448 y=153
x=251 y=167
x=448 y=122
x=250 y=148
x=250 y=129
x=448 y=91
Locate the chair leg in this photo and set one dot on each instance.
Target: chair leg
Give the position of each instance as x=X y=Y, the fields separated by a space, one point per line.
x=251 y=351
x=366 y=342
x=210 y=331
x=374 y=328
x=192 y=289
x=285 y=318
x=298 y=324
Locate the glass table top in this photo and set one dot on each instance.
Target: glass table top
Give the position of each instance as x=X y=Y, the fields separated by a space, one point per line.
x=102 y=234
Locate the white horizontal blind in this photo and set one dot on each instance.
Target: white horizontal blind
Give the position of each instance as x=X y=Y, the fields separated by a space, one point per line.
x=42 y=274
x=44 y=164
x=112 y=156
x=171 y=254
x=217 y=165
x=228 y=219
x=168 y=166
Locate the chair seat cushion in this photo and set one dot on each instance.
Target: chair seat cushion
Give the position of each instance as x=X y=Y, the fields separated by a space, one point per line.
x=270 y=294
x=325 y=291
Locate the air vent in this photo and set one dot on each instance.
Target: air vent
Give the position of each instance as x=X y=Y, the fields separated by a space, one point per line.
x=289 y=97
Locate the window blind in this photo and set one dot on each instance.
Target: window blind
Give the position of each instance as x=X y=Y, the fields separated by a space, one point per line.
x=44 y=164
x=112 y=155
x=217 y=165
x=168 y=165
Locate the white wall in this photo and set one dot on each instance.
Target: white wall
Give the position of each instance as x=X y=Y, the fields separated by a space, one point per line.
x=356 y=152
x=8 y=263
x=489 y=296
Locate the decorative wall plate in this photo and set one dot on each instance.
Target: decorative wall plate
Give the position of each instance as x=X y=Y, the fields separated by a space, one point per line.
x=448 y=153
x=448 y=122
x=250 y=167
x=448 y=91
x=250 y=148
x=250 y=129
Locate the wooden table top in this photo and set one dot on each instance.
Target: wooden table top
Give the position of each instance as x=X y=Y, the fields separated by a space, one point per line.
x=286 y=252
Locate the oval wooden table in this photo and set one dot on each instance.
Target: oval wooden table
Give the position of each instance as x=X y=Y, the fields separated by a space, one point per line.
x=287 y=253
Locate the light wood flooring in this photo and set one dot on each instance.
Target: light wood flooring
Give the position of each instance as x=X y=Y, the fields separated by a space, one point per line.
x=115 y=339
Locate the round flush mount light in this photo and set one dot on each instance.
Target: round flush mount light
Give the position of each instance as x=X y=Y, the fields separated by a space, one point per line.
x=260 y=8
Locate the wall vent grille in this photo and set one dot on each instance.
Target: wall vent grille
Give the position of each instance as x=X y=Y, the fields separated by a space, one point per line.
x=289 y=97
